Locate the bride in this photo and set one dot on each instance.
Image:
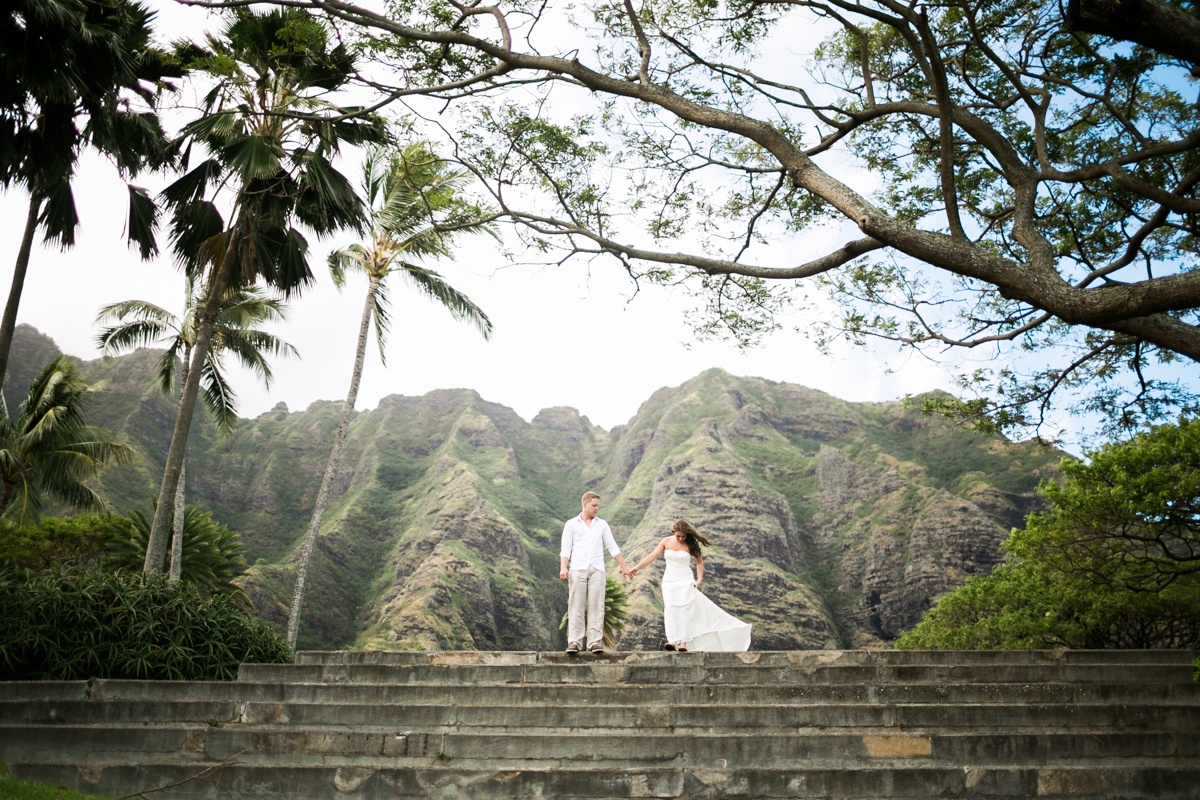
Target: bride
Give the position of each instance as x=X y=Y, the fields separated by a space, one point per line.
x=691 y=619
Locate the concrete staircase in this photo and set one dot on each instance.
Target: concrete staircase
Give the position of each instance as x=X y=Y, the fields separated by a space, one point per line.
x=852 y=724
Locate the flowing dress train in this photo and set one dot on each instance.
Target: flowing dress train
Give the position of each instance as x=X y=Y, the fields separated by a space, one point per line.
x=691 y=617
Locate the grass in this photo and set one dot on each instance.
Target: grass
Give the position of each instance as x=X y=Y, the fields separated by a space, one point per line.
x=27 y=790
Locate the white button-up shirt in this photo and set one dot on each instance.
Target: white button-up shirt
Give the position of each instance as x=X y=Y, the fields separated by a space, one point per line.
x=585 y=545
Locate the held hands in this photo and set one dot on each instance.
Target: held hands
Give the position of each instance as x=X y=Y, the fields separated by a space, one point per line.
x=627 y=573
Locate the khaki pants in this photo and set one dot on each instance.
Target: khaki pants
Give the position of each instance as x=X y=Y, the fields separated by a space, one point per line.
x=585 y=597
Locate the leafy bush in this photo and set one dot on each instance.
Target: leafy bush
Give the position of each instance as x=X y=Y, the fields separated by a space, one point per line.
x=1022 y=606
x=1114 y=562
x=79 y=541
x=68 y=624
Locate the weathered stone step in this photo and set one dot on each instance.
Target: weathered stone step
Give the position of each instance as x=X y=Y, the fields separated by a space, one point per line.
x=646 y=672
x=1182 y=692
x=615 y=719
x=850 y=783
x=780 y=658
x=521 y=750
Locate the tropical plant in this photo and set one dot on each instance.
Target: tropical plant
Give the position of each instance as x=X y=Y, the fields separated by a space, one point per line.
x=414 y=207
x=49 y=449
x=270 y=132
x=235 y=331
x=211 y=555
x=616 y=612
x=78 y=74
x=71 y=624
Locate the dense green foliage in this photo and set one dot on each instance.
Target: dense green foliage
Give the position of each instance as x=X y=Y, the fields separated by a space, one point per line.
x=49 y=449
x=79 y=541
x=212 y=554
x=1020 y=606
x=1114 y=562
x=70 y=624
x=1129 y=517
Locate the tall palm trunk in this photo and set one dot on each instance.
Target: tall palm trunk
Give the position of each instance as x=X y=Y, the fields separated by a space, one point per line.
x=335 y=457
x=9 y=323
x=156 y=547
x=177 y=534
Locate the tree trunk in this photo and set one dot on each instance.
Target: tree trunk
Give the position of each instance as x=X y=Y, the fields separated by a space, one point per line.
x=177 y=535
x=331 y=468
x=156 y=548
x=9 y=323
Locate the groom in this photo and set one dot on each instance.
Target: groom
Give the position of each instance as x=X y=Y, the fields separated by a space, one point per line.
x=581 y=562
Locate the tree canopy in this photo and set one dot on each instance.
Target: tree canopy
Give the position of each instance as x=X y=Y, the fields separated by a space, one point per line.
x=1114 y=562
x=1030 y=189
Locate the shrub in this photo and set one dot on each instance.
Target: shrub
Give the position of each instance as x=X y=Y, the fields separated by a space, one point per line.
x=79 y=541
x=70 y=624
x=1020 y=606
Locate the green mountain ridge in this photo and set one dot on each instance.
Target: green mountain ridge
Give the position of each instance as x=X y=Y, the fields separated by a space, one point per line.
x=834 y=524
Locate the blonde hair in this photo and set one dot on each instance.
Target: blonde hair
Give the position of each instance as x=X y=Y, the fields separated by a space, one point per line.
x=693 y=538
x=589 y=496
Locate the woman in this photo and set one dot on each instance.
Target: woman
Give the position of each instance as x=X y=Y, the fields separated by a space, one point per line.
x=691 y=619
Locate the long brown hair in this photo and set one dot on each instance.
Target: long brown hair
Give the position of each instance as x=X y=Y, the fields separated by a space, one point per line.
x=693 y=540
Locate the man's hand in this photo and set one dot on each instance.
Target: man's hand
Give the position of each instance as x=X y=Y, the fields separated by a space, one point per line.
x=626 y=572
x=562 y=576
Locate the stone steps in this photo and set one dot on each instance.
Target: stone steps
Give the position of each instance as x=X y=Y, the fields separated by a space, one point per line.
x=847 y=725
x=780 y=658
x=915 y=783
x=679 y=718
x=512 y=750
x=610 y=671
x=1179 y=692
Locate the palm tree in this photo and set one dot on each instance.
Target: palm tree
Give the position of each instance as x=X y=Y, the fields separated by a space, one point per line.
x=412 y=200
x=212 y=554
x=270 y=133
x=49 y=449
x=235 y=331
x=79 y=73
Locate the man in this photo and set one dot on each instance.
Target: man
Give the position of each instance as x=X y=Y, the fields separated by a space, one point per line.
x=581 y=562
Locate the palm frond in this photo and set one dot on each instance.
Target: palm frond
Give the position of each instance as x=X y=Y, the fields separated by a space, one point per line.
x=383 y=322
x=341 y=261
x=219 y=398
x=127 y=338
x=435 y=287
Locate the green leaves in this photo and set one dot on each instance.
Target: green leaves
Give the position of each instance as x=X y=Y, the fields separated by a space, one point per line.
x=212 y=554
x=1114 y=562
x=70 y=624
x=235 y=331
x=48 y=448
x=271 y=131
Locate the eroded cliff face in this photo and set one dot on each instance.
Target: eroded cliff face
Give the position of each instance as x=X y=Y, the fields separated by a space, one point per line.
x=833 y=524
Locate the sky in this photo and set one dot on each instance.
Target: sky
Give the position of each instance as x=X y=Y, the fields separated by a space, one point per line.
x=574 y=335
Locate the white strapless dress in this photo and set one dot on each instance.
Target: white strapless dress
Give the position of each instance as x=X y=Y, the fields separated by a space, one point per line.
x=691 y=617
